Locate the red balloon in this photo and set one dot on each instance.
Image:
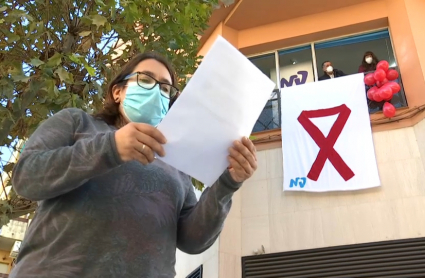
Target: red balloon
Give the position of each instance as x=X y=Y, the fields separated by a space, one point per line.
x=389 y=110
x=395 y=87
x=369 y=79
x=379 y=84
x=383 y=65
x=385 y=93
x=379 y=75
x=377 y=96
x=371 y=92
x=392 y=74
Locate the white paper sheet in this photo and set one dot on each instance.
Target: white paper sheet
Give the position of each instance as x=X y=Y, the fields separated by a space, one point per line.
x=219 y=105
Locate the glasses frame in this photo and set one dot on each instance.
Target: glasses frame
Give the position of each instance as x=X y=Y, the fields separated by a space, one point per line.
x=171 y=96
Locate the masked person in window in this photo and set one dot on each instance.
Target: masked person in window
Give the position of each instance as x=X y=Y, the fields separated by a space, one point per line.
x=369 y=62
x=329 y=71
x=107 y=207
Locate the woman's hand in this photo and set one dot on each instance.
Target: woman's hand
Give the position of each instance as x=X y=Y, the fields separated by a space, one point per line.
x=243 y=160
x=137 y=141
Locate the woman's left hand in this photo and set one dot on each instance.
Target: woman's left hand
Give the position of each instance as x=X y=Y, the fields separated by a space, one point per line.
x=243 y=160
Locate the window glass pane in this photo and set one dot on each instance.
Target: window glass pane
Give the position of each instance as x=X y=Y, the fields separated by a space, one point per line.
x=348 y=58
x=347 y=54
x=267 y=64
x=269 y=117
x=296 y=67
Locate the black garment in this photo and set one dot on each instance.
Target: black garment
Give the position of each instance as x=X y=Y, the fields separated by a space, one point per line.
x=337 y=73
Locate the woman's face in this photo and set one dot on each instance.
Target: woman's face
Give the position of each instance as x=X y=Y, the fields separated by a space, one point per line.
x=368 y=59
x=150 y=67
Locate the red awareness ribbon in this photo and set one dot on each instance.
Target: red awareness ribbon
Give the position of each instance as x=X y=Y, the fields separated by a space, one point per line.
x=326 y=144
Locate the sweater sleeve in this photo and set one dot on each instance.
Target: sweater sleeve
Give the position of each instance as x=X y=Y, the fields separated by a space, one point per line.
x=200 y=223
x=56 y=159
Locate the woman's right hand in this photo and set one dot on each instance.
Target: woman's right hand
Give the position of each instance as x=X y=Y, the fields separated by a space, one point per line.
x=137 y=141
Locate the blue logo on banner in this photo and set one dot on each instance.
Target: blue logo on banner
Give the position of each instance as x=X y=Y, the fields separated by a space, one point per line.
x=298 y=181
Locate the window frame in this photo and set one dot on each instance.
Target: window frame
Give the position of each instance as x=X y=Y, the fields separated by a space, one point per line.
x=314 y=61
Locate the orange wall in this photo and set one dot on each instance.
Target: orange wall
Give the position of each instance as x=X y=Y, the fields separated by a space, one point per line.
x=226 y=32
x=407 y=52
x=405 y=19
x=416 y=11
x=4 y=258
x=312 y=24
x=218 y=31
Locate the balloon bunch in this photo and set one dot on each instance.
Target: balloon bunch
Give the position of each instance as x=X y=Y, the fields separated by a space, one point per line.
x=383 y=86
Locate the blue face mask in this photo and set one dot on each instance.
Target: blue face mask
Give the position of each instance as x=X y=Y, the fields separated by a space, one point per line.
x=145 y=106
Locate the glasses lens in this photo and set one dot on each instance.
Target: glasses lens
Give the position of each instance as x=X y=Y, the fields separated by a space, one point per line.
x=168 y=90
x=165 y=90
x=145 y=81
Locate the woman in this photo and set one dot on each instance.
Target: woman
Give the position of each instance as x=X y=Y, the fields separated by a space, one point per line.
x=369 y=62
x=107 y=207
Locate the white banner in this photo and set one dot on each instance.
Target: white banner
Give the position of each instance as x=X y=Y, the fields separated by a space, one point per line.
x=326 y=136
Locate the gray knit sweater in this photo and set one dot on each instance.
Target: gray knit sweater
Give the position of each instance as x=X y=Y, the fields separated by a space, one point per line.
x=100 y=217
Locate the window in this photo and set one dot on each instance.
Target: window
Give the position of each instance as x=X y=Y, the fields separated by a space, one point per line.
x=270 y=116
x=267 y=64
x=298 y=66
x=197 y=273
x=347 y=54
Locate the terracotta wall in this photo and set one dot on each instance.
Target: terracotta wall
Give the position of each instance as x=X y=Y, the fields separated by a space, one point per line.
x=404 y=18
x=4 y=258
x=416 y=13
x=313 y=25
x=405 y=35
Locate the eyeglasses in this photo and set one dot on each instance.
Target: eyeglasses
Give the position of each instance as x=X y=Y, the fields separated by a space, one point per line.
x=148 y=82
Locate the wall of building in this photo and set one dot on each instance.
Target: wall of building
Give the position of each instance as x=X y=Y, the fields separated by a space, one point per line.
x=415 y=10
x=264 y=215
x=185 y=263
x=5 y=259
x=286 y=221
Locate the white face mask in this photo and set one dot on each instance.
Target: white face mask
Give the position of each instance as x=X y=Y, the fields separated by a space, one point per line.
x=329 y=69
x=369 y=60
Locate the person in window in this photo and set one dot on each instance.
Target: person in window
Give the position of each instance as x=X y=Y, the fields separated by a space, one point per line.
x=107 y=207
x=369 y=62
x=329 y=71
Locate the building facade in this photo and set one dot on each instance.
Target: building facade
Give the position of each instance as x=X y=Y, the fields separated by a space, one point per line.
x=289 y=41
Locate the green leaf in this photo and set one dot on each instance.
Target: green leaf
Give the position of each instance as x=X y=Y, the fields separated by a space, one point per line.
x=197 y=184
x=75 y=58
x=11 y=38
x=98 y=20
x=2 y=9
x=55 y=60
x=21 y=78
x=64 y=76
x=8 y=167
x=4 y=220
x=100 y=3
x=84 y=33
x=63 y=98
x=36 y=62
x=90 y=70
